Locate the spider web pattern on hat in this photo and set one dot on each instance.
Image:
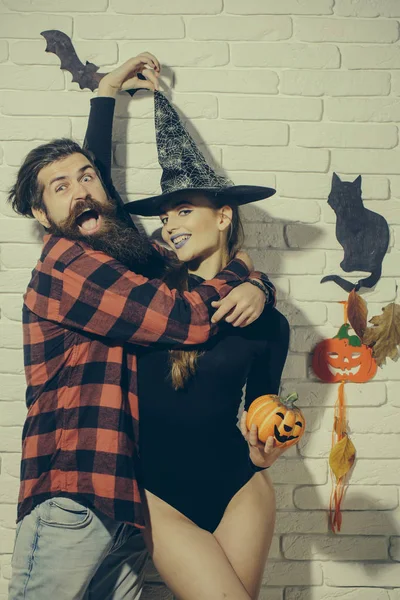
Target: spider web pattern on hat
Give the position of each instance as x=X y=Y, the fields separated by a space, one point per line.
x=182 y=163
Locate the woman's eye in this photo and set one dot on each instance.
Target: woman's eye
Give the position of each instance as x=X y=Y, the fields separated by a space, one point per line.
x=184 y=212
x=164 y=220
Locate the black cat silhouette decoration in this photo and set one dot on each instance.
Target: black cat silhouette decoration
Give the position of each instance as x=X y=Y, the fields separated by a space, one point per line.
x=363 y=234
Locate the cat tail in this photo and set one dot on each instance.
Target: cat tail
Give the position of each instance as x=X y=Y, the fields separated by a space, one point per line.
x=348 y=286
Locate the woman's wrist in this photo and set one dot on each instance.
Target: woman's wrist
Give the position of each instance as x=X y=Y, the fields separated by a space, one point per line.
x=106 y=90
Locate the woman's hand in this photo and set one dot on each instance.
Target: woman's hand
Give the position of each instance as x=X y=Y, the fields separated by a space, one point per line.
x=262 y=455
x=241 y=306
x=126 y=77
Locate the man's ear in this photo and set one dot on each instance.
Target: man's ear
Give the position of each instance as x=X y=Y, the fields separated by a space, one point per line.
x=225 y=215
x=41 y=216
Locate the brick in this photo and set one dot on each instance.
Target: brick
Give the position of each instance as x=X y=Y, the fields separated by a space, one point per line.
x=292 y=573
x=267 y=593
x=5 y=563
x=390 y=266
x=264 y=28
x=181 y=54
x=390 y=370
x=67 y=6
x=11 y=306
x=304 y=339
x=333 y=135
x=275 y=108
x=303 y=237
x=378 y=471
x=145 y=155
x=300 y=472
x=9 y=488
x=313 y=394
x=12 y=463
x=10 y=335
x=32 y=53
x=382 y=110
x=363 y=420
x=33 y=129
x=393 y=394
x=3 y=51
x=192 y=106
x=276 y=208
x=7 y=178
x=45 y=103
x=13 y=414
x=10 y=439
x=267 y=235
x=6 y=540
x=284 y=496
x=26 y=78
x=355 y=574
x=395 y=88
x=394 y=186
x=394 y=549
x=115 y=27
x=20 y=256
x=390 y=209
x=306 y=288
x=15 y=230
x=285 y=262
x=239 y=133
x=11 y=361
x=345 y=30
x=366 y=161
x=276 y=159
x=295 y=366
x=376 y=57
x=302 y=314
x=358 y=497
x=316 y=446
x=30 y=26
x=245 y=81
x=8 y=515
x=298 y=547
x=292 y=56
x=370 y=8
x=313 y=185
x=284 y=7
x=12 y=387
x=179 y=7
x=334 y=83
x=335 y=313
x=257 y=178
x=325 y=593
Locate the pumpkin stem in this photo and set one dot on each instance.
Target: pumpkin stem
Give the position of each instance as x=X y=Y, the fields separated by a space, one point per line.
x=291 y=399
x=343 y=334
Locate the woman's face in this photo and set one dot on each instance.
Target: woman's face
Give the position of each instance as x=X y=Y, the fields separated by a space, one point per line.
x=194 y=229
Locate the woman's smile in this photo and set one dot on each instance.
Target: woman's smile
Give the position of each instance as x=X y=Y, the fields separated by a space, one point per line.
x=180 y=239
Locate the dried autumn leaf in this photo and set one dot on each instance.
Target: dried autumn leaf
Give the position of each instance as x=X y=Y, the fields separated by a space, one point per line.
x=342 y=457
x=357 y=313
x=384 y=336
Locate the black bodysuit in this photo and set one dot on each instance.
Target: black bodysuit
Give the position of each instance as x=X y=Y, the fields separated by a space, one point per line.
x=193 y=456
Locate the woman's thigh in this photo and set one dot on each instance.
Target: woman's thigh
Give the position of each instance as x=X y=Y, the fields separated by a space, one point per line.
x=189 y=559
x=246 y=529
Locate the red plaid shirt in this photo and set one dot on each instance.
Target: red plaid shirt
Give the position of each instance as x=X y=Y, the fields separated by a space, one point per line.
x=83 y=313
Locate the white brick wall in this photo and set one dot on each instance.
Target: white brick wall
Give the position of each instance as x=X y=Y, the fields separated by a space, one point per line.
x=281 y=94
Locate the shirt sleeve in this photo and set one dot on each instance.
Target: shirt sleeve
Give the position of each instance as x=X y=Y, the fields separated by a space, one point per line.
x=101 y=296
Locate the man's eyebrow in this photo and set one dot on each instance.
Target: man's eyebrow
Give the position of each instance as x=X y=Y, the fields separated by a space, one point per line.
x=80 y=171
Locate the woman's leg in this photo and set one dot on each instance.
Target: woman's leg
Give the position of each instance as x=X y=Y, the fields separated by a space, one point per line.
x=246 y=529
x=189 y=559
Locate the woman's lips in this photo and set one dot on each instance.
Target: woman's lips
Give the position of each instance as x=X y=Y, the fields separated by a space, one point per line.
x=181 y=242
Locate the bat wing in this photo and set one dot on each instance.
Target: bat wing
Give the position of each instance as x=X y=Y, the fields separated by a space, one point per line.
x=60 y=44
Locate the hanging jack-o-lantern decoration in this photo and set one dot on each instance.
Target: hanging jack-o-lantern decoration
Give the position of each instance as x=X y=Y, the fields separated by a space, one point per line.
x=277 y=417
x=343 y=358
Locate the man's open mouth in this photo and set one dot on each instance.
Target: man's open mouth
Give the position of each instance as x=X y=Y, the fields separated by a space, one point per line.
x=89 y=221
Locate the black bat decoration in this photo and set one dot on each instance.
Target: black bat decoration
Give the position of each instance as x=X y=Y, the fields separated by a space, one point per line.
x=86 y=75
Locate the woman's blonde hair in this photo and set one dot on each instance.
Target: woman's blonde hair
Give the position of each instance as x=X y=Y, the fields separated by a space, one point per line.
x=184 y=362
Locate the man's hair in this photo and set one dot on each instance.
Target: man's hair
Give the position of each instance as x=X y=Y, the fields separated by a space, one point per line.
x=27 y=192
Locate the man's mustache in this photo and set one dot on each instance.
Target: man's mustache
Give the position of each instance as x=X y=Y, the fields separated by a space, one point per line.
x=89 y=203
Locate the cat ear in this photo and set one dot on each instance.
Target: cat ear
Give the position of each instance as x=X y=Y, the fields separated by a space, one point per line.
x=357 y=182
x=335 y=179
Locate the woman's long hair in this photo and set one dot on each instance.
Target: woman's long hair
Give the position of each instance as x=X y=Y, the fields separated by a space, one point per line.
x=184 y=362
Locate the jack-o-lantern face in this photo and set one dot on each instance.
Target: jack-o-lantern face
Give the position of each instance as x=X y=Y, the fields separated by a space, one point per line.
x=343 y=358
x=277 y=418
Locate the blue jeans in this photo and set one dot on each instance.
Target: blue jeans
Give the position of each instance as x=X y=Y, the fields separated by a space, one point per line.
x=65 y=551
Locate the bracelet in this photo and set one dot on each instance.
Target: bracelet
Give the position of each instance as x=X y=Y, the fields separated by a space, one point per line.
x=261 y=287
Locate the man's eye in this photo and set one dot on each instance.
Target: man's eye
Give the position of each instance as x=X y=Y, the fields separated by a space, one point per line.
x=61 y=188
x=86 y=178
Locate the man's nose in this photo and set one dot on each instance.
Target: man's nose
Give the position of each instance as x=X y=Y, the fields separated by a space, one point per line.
x=79 y=192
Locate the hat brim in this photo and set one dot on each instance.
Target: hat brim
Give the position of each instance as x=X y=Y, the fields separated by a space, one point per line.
x=236 y=194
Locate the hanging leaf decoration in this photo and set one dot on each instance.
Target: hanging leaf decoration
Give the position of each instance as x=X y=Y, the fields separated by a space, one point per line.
x=384 y=336
x=342 y=457
x=357 y=313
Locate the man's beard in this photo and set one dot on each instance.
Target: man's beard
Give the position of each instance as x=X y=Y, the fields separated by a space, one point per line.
x=116 y=238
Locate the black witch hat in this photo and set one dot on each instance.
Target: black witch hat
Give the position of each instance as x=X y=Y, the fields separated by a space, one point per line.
x=185 y=168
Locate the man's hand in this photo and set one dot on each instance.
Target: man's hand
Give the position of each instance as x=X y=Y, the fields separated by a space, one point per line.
x=241 y=306
x=261 y=455
x=126 y=77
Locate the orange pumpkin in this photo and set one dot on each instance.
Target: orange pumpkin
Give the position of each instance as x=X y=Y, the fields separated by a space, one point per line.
x=277 y=417
x=343 y=358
